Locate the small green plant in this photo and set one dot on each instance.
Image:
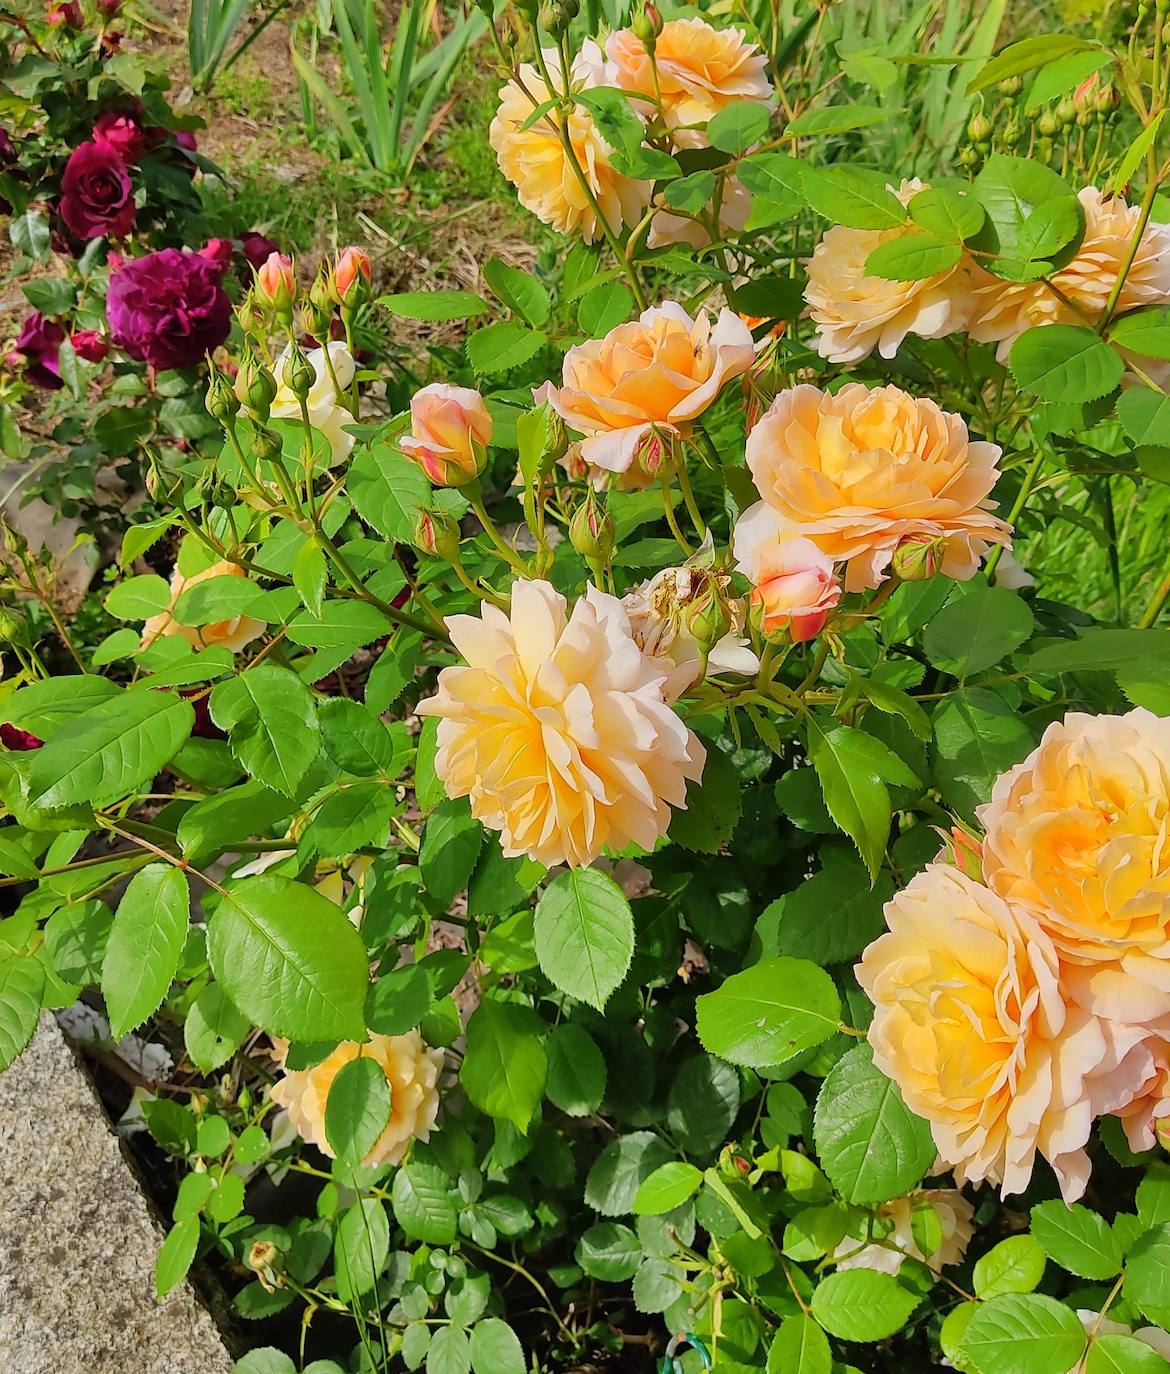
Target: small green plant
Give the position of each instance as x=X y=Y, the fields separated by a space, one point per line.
x=211 y=27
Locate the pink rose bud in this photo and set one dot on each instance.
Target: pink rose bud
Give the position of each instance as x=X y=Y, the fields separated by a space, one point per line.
x=450 y=429
x=652 y=453
x=276 y=283
x=918 y=557
x=218 y=251
x=796 y=588
x=351 y=276
x=67 y=15
x=964 y=851
x=89 y=344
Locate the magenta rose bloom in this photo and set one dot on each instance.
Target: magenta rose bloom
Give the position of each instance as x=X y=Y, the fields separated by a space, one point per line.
x=13 y=737
x=168 y=309
x=89 y=344
x=96 y=195
x=39 y=344
x=121 y=131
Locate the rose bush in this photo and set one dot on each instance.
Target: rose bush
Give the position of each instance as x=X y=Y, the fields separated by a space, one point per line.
x=628 y=868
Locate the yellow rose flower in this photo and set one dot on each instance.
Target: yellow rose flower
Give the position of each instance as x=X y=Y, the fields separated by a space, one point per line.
x=231 y=634
x=855 y=313
x=658 y=372
x=973 y=1024
x=534 y=159
x=558 y=729
x=412 y=1071
x=1002 y=310
x=327 y=414
x=701 y=70
x=955 y=1217
x=859 y=471
x=1078 y=834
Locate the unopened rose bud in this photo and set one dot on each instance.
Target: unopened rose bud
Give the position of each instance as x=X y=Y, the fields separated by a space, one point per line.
x=436 y=533
x=1105 y=101
x=222 y=402
x=1012 y=134
x=918 y=557
x=652 y=452
x=1048 y=125
x=13 y=626
x=1011 y=86
x=276 y=283
x=266 y=444
x=979 y=128
x=706 y=617
x=645 y=29
x=1066 y=112
x=450 y=429
x=352 y=277
x=256 y=386
x=963 y=851
x=968 y=157
x=591 y=530
x=299 y=373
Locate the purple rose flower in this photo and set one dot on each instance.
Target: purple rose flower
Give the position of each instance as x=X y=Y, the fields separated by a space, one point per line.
x=121 y=131
x=39 y=344
x=96 y=195
x=168 y=309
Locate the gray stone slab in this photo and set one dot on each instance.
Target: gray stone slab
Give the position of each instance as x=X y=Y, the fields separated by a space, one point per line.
x=78 y=1239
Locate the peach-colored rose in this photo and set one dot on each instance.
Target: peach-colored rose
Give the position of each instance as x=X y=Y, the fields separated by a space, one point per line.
x=351 y=273
x=1002 y=310
x=855 y=313
x=659 y=372
x=231 y=634
x=1146 y=1117
x=412 y=1071
x=859 y=471
x=955 y=1217
x=1079 y=834
x=734 y=209
x=450 y=429
x=793 y=582
x=534 y=159
x=973 y=1024
x=275 y=281
x=701 y=70
x=558 y=729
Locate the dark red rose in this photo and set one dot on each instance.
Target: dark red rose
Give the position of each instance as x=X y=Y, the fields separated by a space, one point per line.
x=169 y=308
x=89 y=344
x=12 y=737
x=204 y=727
x=256 y=248
x=186 y=139
x=39 y=343
x=109 y=9
x=7 y=151
x=109 y=44
x=67 y=15
x=122 y=132
x=218 y=251
x=96 y=195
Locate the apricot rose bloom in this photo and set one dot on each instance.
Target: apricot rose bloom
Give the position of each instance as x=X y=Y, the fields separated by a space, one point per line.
x=955 y=1218
x=701 y=70
x=793 y=582
x=971 y=1021
x=660 y=371
x=1002 y=310
x=412 y=1071
x=1078 y=835
x=327 y=414
x=534 y=159
x=558 y=730
x=449 y=430
x=855 y=313
x=232 y=634
x=859 y=471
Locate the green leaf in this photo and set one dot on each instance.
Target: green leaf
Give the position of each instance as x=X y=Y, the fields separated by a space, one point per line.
x=215 y=823
x=520 y=291
x=713 y=807
x=894 y=702
x=949 y=213
x=1050 y=227
x=609 y=1251
x=584 y=934
x=357 y=1109
x=176 y=1255
x=776 y=177
x=138 y=598
x=702 y=1103
x=1023 y=1333
x=423 y=1203
x=1010 y=189
x=977 y=630
x=853 y=769
x=604 y=307
x=910 y=257
x=75 y=940
x=666 y=1188
x=342 y=626
x=504 y=1069
x=1077 y=1239
x=738 y=125
x=495 y=1348
x=646 y=164
x=1065 y=362
x=769 y=1013
x=112 y=750
x=289 y=959
x=690 y=193
x=871 y=1146
x=502 y=346
x=271 y=722
x=449 y=1351
x=22 y=980
x=1145 y=415
x=216 y=598
x=978 y=735
x=1146 y=1267
x=1128 y=162
x=387 y=491
x=854 y=196
x=613 y=111
x=576 y=1071
x=355 y=739
x=360 y=1247
x=1153 y=1196
x=265 y=1360
x=45 y=707
x=862 y=1304
x=213 y=1030
x=1144 y=331
x=309 y=575
x=1026 y=56
x=30 y=235
x=838 y=119
x=450 y=847
x=398 y=1000
x=618 y=1171
x=799 y=1347
x=1118 y=1354
x=1064 y=74
x=355 y=815
x=435 y=305
x=1100 y=651
x=1015 y=1265
x=833 y=915
x=146 y=939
